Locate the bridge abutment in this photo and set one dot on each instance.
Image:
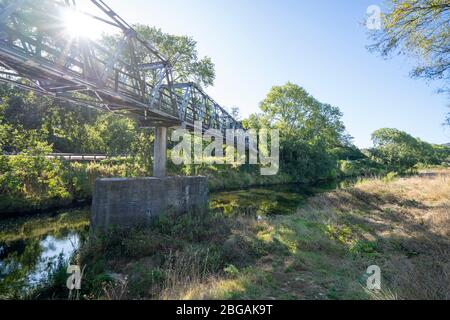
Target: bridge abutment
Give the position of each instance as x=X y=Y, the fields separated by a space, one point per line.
x=135 y=202
x=128 y=203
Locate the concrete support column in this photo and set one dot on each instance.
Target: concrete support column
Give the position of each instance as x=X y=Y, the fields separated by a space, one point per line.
x=160 y=153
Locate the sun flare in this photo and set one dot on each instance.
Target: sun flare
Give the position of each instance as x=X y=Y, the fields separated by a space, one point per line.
x=80 y=25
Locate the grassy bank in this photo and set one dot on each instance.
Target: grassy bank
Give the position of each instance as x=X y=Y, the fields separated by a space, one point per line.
x=36 y=184
x=31 y=183
x=319 y=251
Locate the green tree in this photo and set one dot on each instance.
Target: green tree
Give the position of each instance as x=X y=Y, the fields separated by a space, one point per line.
x=294 y=111
x=310 y=131
x=418 y=28
x=57 y=121
x=111 y=134
x=441 y=154
x=399 y=151
x=71 y=128
x=181 y=51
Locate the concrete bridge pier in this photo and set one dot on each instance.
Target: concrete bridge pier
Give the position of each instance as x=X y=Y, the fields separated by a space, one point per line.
x=128 y=203
x=160 y=153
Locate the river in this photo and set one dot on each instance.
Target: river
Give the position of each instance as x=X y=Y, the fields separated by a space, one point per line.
x=31 y=247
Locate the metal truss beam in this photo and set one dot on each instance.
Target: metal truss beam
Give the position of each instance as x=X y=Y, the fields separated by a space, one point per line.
x=135 y=79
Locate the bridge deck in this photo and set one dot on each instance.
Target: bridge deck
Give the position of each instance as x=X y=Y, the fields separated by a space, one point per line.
x=127 y=76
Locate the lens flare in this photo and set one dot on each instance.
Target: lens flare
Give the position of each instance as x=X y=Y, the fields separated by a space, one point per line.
x=80 y=25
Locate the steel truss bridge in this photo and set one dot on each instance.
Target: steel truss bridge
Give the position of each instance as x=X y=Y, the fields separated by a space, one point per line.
x=124 y=74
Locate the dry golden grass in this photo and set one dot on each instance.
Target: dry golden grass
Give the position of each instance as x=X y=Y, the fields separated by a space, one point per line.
x=410 y=220
x=322 y=250
x=419 y=203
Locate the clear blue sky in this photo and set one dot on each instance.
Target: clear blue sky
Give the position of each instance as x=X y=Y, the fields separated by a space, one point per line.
x=319 y=45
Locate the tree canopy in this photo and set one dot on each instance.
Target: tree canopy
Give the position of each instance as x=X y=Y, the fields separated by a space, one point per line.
x=400 y=151
x=311 y=132
x=181 y=51
x=418 y=28
x=70 y=128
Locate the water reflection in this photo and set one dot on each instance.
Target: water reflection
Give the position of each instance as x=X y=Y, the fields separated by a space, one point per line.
x=53 y=249
x=259 y=201
x=273 y=200
x=30 y=248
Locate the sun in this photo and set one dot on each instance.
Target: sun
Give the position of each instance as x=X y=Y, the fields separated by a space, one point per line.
x=80 y=25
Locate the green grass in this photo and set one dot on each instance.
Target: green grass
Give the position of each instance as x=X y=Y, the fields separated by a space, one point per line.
x=283 y=257
x=317 y=248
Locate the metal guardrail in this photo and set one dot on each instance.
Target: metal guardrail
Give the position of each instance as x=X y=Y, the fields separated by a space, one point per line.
x=71 y=156
x=77 y=157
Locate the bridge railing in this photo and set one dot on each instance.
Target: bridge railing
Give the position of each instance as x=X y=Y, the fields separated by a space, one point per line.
x=77 y=156
x=121 y=73
x=34 y=44
x=195 y=105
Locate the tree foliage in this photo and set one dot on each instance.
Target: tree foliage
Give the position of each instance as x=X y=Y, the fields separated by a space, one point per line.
x=399 y=151
x=32 y=126
x=75 y=129
x=311 y=132
x=418 y=28
x=181 y=51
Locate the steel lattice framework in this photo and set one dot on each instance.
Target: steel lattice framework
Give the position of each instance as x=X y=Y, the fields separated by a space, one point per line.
x=133 y=79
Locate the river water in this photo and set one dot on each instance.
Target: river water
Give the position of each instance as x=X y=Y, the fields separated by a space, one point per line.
x=31 y=247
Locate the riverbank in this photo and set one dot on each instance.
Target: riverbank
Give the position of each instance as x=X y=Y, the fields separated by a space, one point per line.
x=32 y=185
x=319 y=251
